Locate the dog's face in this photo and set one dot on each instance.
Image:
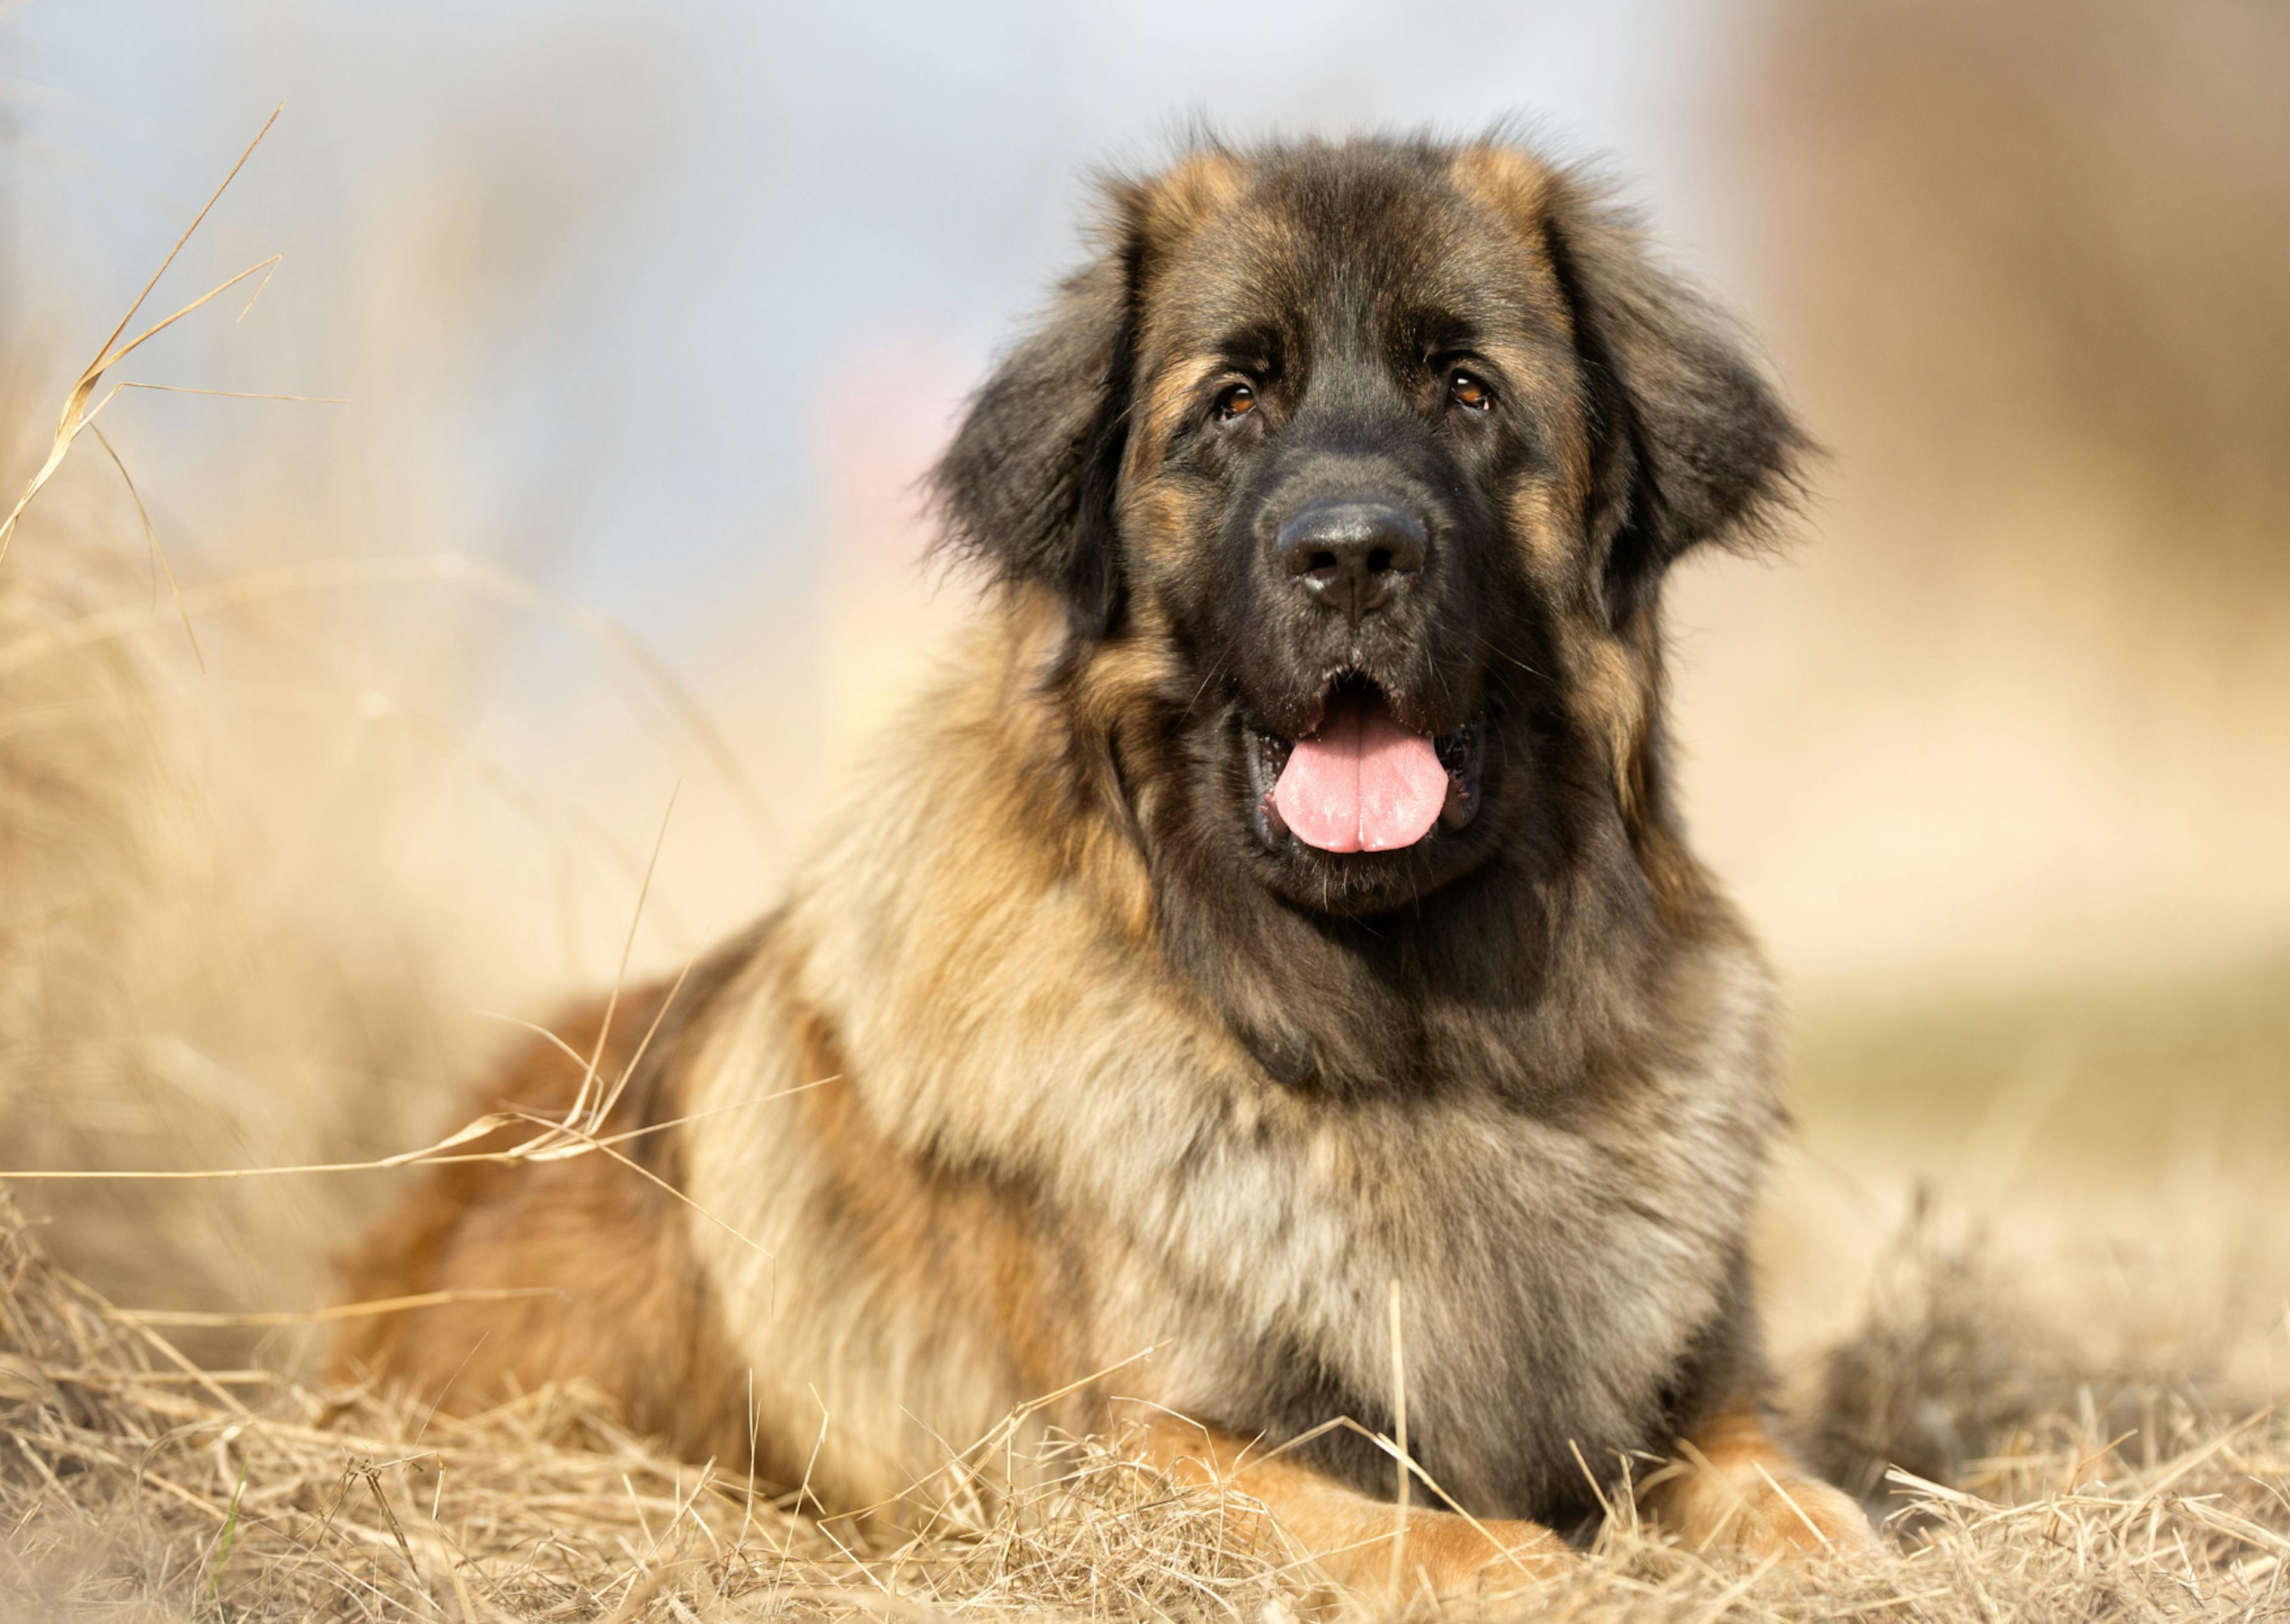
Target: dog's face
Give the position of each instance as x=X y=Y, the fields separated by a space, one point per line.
x=1382 y=448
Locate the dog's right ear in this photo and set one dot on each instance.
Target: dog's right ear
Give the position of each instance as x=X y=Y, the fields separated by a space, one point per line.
x=1691 y=444
x=1029 y=485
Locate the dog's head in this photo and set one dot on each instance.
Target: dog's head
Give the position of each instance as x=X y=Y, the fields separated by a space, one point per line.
x=1381 y=449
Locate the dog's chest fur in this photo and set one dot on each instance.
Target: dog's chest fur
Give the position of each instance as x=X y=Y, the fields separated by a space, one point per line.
x=1560 y=1268
x=1555 y=1278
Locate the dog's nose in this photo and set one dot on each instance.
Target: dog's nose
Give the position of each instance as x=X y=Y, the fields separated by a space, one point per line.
x=1351 y=556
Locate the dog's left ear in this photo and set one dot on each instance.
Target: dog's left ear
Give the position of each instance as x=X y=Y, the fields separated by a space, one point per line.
x=1689 y=443
x=1030 y=484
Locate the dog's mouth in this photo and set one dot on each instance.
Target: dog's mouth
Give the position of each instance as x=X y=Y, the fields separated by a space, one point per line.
x=1362 y=780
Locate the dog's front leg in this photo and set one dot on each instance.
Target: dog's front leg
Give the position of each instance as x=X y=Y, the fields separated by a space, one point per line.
x=1352 y=1535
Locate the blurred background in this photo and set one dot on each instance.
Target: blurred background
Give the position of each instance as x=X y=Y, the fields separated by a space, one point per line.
x=647 y=318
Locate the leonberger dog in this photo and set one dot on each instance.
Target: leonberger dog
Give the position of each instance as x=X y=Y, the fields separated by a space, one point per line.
x=1280 y=909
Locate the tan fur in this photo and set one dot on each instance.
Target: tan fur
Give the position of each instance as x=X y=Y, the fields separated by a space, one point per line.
x=628 y=1306
x=1193 y=190
x=1503 y=179
x=866 y=1288
x=1735 y=1486
x=1351 y=1535
x=959 y=1130
x=1613 y=673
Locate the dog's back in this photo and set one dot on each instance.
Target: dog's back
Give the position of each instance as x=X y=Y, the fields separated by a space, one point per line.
x=558 y=1269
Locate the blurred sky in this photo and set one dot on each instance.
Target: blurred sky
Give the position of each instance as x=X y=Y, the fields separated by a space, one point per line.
x=685 y=233
x=666 y=306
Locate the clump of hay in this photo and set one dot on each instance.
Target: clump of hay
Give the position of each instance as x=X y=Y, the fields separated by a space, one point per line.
x=133 y=1483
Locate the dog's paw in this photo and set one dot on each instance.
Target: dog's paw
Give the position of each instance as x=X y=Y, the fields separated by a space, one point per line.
x=1790 y=1515
x=1449 y=1556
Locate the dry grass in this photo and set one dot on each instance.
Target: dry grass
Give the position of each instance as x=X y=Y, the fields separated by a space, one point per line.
x=135 y=1484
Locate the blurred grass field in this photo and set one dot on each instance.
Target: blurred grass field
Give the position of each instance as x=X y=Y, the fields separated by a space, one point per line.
x=2115 y=1081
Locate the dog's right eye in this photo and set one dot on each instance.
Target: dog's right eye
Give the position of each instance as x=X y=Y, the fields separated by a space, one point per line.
x=1239 y=401
x=1467 y=389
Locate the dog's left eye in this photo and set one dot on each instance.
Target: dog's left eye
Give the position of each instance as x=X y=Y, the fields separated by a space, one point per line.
x=1239 y=401
x=1469 y=390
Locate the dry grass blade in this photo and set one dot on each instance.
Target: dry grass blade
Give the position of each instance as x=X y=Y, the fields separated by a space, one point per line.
x=579 y=1117
x=1399 y=1439
x=76 y=415
x=189 y=1318
x=151 y=539
x=185 y=389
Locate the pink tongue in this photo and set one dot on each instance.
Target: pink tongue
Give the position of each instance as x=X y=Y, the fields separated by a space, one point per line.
x=1362 y=783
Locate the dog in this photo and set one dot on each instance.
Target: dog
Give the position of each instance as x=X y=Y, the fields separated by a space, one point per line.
x=1275 y=933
